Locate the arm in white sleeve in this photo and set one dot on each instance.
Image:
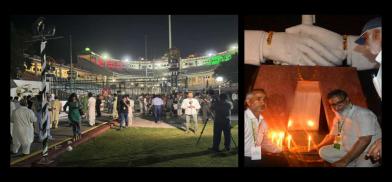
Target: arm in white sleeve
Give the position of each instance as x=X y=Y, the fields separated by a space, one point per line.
x=254 y=47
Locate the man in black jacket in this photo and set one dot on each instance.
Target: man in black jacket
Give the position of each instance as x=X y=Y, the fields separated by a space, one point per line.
x=222 y=110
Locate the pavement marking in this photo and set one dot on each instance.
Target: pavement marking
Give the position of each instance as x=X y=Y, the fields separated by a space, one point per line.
x=51 y=146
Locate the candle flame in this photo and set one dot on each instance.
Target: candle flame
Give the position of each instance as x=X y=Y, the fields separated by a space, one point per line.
x=290 y=123
x=310 y=123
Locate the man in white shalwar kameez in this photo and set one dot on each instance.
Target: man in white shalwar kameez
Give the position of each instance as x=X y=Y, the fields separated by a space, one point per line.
x=91 y=109
x=23 y=130
x=130 y=110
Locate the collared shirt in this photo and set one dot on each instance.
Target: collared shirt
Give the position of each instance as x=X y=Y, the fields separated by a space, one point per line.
x=361 y=122
x=187 y=103
x=377 y=80
x=157 y=101
x=260 y=130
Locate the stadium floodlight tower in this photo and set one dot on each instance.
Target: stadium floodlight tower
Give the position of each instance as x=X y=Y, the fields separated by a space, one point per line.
x=174 y=67
x=174 y=62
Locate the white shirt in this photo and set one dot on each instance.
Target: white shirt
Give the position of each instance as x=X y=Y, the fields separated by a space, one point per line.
x=187 y=103
x=157 y=101
x=91 y=103
x=23 y=130
x=377 y=80
x=261 y=132
x=361 y=122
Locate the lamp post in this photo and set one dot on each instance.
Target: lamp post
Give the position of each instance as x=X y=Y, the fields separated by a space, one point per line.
x=219 y=79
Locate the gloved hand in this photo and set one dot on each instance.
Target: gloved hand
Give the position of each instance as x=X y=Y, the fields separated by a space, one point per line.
x=334 y=43
x=287 y=48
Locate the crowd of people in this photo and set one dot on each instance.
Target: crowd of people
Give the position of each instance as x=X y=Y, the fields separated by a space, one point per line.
x=26 y=112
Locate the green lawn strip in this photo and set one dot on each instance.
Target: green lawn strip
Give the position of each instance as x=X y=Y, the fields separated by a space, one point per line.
x=150 y=147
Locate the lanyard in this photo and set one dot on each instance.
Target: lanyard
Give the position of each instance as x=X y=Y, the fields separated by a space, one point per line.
x=253 y=130
x=341 y=122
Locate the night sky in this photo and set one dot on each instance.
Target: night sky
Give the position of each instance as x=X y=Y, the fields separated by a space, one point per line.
x=124 y=35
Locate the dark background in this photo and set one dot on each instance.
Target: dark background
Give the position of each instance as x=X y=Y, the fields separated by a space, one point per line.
x=124 y=35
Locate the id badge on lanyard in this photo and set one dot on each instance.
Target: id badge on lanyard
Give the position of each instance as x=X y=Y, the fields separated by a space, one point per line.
x=255 y=150
x=338 y=142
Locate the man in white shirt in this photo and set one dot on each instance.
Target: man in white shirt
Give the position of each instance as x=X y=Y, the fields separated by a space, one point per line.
x=157 y=103
x=23 y=130
x=256 y=128
x=371 y=38
x=91 y=109
x=191 y=106
x=354 y=130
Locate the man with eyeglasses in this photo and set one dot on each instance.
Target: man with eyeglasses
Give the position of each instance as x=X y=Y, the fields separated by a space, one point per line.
x=256 y=130
x=354 y=130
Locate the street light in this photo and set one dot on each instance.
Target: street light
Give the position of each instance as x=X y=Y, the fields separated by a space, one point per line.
x=234 y=47
x=211 y=53
x=87 y=49
x=126 y=59
x=219 y=79
x=105 y=56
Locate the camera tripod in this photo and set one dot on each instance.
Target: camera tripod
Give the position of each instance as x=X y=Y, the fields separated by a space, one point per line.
x=205 y=124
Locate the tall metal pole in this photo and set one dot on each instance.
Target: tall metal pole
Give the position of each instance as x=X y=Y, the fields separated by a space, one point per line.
x=70 y=53
x=170 y=39
x=145 y=47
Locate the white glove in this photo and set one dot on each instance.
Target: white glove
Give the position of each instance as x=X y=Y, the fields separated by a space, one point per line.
x=334 y=43
x=290 y=49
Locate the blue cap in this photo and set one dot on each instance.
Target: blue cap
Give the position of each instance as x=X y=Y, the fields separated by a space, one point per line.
x=371 y=24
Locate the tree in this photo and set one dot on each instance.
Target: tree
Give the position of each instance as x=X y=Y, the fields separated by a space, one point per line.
x=228 y=69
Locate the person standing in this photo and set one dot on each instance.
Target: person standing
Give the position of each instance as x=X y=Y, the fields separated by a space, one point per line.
x=145 y=104
x=74 y=115
x=191 y=106
x=115 y=102
x=123 y=112
x=131 y=105
x=23 y=130
x=222 y=110
x=98 y=105
x=140 y=99
x=56 y=108
x=157 y=103
x=91 y=109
